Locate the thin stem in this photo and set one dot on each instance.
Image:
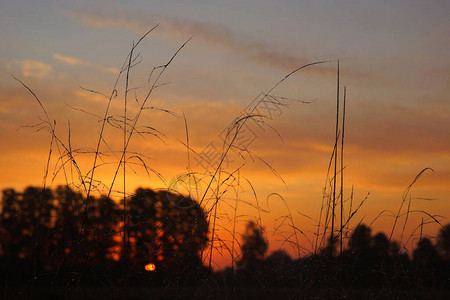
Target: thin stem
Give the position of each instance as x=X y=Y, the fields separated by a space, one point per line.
x=335 y=165
x=125 y=244
x=342 y=164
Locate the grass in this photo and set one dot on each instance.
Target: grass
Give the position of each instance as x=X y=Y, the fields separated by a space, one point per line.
x=219 y=186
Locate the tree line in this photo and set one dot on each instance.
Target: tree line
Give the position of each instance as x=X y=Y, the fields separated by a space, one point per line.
x=369 y=262
x=58 y=236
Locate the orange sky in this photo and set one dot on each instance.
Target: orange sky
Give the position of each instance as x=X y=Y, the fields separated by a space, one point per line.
x=397 y=111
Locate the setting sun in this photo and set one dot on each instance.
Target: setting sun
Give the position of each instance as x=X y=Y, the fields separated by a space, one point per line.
x=150 y=267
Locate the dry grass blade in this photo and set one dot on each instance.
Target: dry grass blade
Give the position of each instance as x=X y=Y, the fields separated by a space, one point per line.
x=405 y=195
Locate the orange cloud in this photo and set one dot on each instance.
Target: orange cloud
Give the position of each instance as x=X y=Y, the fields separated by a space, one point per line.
x=75 y=62
x=33 y=68
x=70 y=60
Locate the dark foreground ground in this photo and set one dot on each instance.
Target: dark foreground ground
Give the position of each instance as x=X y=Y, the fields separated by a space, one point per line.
x=138 y=293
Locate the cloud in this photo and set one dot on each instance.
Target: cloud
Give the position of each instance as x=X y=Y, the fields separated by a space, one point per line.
x=33 y=68
x=70 y=60
x=76 y=62
x=215 y=36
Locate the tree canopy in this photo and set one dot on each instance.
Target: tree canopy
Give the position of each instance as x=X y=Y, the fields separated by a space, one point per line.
x=59 y=230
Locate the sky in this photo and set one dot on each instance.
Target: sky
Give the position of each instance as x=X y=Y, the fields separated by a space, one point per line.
x=393 y=63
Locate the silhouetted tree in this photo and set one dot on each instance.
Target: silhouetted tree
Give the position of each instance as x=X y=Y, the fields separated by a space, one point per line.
x=25 y=222
x=330 y=247
x=83 y=234
x=104 y=234
x=426 y=261
x=426 y=253
x=253 y=248
x=166 y=229
x=10 y=229
x=61 y=232
x=360 y=256
x=278 y=258
x=360 y=238
x=443 y=241
x=394 y=248
x=67 y=236
x=278 y=268
x=380 y=244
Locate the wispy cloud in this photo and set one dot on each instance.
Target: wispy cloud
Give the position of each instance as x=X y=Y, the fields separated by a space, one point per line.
x=32 y=68
x=213 y=35
x=70 y=60
x=76 y=62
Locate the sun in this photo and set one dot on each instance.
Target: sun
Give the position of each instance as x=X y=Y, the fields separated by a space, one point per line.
x=150 y=267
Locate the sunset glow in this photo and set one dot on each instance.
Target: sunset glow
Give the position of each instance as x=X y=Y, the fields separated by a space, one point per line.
x=392 y=61
x=150 y=267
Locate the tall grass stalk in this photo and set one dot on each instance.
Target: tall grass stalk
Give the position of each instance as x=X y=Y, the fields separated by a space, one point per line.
x=333 y=215
x=342 y=168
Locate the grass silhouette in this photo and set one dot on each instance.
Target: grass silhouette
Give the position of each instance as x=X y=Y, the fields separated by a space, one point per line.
x=212 y=189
